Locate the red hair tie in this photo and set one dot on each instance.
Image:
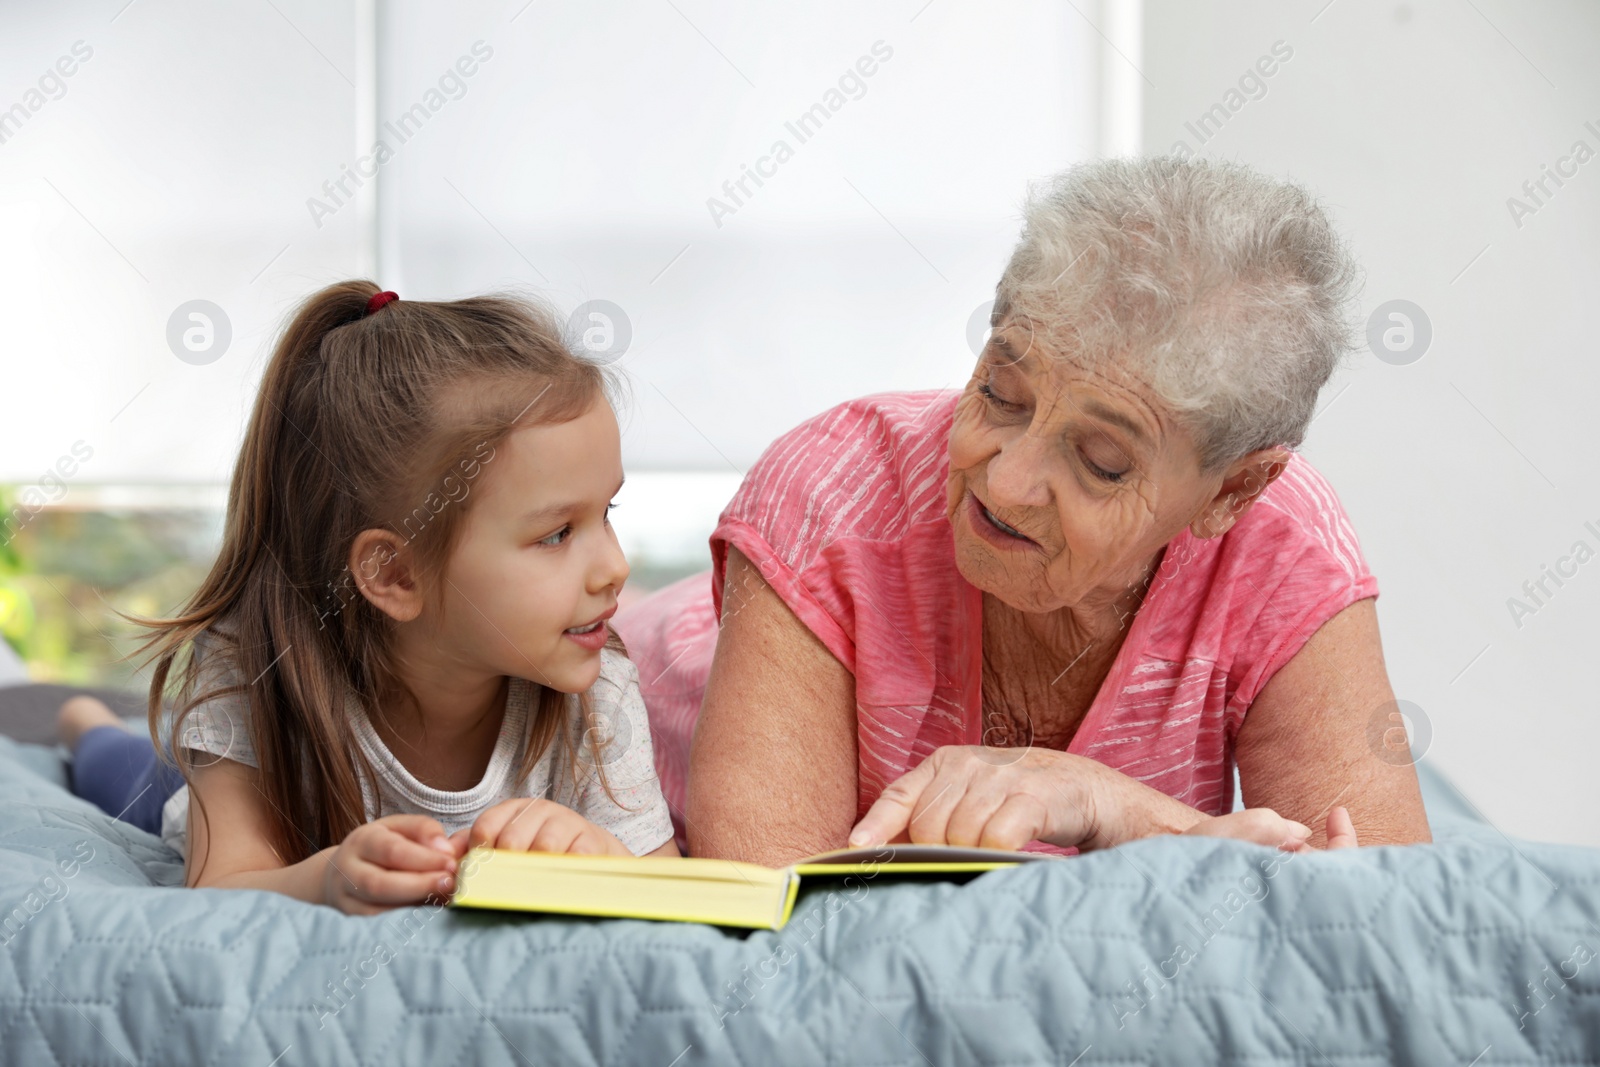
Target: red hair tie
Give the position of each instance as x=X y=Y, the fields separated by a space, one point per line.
x=380 y=299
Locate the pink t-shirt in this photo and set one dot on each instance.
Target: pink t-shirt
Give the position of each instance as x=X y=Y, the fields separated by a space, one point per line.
x=845 y=517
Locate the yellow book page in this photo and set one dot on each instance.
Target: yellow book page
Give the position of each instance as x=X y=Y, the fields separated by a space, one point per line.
x=912 y=859
x=720 y=892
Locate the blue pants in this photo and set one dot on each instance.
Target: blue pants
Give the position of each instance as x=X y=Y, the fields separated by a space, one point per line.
x=121 y=774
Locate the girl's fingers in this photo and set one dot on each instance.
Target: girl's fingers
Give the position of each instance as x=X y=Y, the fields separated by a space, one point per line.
x=597 y=841
x=417 y=827
x=1341 y=831
x=559 y=834
x=396 y=852
x=891 y=812
x=1018 y=820
x=519 y=831
x=375 y=885
x=486 y=830
x=423 y=829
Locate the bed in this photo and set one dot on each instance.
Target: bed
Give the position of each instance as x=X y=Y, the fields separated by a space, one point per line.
x=1476 y=950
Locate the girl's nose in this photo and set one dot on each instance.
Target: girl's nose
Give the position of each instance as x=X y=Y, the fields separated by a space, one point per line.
x=612 y=569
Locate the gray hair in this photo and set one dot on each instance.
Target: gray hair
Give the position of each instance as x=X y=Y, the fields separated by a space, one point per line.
x=1226 y=291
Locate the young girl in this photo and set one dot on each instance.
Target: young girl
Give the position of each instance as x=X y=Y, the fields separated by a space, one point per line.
x=401 y=651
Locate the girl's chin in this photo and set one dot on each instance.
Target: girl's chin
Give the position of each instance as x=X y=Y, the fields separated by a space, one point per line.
x=575 y=675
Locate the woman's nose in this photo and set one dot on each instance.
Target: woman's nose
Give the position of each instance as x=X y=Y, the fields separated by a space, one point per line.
x=1016 y=474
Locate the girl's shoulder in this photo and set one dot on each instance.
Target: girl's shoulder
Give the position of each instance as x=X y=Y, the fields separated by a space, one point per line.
x=218 y=722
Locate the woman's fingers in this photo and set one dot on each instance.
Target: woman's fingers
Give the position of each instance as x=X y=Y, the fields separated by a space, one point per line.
x=1020 y=819
x=953 y=795
x=981 y=799
x=891 y=813
x=929 y=823
x=1341 y=831
x=1266 y=827
x=1263 y=826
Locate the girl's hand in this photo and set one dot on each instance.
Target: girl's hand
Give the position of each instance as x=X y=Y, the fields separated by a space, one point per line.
x=527 y=825
x=393 y=861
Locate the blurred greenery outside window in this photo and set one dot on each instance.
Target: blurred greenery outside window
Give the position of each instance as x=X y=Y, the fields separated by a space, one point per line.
x=71 y=572
x=68 y=576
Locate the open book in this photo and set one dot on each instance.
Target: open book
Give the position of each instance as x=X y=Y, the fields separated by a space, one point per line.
x=720 y=892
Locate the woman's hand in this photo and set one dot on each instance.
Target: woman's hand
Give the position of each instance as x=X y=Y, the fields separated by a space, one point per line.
x=526 y=825
x=390 y=862
x=1266 y=827
x=1006 y=797
x=993 y=798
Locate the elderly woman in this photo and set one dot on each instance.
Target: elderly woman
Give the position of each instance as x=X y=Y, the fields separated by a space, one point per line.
x=1060 y=606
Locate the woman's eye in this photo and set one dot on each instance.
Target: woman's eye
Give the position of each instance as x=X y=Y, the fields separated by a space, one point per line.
x=994 y=401
x=1114 y=477
x=1110 y=476
x=556 y=538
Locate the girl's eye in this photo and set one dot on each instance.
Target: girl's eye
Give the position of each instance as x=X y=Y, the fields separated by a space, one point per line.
x=565 y=531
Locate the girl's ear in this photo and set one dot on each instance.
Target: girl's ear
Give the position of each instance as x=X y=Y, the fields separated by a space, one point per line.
x=384 y=572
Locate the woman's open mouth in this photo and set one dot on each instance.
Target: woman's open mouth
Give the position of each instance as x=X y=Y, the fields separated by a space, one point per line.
x=992 y=529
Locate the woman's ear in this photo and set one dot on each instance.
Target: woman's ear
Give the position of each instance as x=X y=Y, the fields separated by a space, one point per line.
x=1243 y=483
x=384 y=571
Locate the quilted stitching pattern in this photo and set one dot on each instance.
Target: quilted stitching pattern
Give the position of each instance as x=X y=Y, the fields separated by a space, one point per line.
x=1470 y=951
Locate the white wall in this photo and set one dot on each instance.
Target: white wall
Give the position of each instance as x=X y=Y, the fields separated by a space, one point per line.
x=576 y=159
x=1469 y=469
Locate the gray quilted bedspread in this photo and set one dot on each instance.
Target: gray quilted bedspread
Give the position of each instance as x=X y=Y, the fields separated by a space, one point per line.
x=1475 y=950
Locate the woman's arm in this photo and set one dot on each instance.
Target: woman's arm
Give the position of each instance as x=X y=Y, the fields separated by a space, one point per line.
x=1315 y=737
x=1309 y=756
x=772 y=768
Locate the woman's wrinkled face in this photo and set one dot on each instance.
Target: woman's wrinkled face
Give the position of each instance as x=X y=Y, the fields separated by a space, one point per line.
x=1065 y=481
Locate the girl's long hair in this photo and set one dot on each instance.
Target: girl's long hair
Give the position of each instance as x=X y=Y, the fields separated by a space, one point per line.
x=377 y=421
